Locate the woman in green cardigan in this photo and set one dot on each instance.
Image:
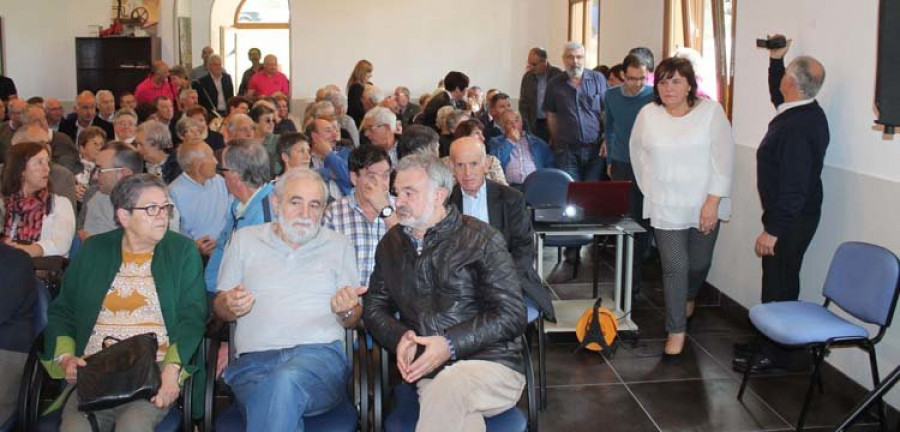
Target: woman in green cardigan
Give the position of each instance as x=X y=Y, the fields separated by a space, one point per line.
x=138 y=279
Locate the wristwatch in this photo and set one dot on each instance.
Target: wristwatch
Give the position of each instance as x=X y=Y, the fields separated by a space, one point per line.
x=386 y=212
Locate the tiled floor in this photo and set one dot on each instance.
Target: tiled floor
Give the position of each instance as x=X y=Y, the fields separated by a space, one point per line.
x=636 y=391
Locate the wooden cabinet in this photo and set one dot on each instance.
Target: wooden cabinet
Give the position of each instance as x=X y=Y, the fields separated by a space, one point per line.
x=117 y=64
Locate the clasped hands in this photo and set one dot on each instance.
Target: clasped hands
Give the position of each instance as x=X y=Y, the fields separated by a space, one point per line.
x=436 y=353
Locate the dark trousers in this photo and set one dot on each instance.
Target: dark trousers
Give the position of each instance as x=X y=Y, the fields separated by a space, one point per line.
x=583 y=163
x=622 y=171
x=541 y=130
x=781 y=272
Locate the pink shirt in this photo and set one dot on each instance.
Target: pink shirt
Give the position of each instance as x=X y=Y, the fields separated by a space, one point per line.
x=264 y=85
x=146 y=92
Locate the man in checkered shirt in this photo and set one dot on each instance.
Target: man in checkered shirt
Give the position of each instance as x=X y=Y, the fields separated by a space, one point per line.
x=365 y=214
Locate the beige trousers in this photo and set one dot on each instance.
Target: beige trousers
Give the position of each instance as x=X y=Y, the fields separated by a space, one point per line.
x=464 y=393
x=137 y=416
x=12 y=365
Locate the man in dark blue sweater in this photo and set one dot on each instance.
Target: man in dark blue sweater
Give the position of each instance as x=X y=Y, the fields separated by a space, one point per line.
x=789 y=179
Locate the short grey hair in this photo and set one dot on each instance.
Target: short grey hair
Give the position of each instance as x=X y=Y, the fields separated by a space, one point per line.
x=337 y=99
x=156 y=134
x=187 y=123
x=455 y=118
x=249 y=159
x=439 y=175
x=105 y=93
x=184 y=93
x=127 y=192
x=573 y=46
x=296 y=174
x=442 y=114
x=805 y=71
x=233 y=121
x=373 y=94
x=122 y=112
x=319 y=107
x=380 y=116
x=33 y=114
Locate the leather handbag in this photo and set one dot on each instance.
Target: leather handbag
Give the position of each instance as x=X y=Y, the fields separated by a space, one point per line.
x=120 y=373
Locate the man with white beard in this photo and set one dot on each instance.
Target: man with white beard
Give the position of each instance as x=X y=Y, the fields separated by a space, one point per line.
x=291 y=287
x=574 y=102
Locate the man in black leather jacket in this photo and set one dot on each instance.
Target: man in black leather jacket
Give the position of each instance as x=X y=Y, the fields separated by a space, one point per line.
x=459 y=299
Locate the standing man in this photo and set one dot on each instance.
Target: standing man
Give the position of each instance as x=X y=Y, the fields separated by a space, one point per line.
x=789 y=180
x=202 y=70
x=254 y=54
x=268 y=80
x=574 y=106
x=622 y=105
x=445 y=297
x=215 y=88
x=538 y=73
x=155 y=85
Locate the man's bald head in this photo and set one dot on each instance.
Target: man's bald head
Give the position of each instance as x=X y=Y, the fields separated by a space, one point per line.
x=14 y=110
x=31 y=133
x=34 y=114
x=469 y=162
x=808 y=75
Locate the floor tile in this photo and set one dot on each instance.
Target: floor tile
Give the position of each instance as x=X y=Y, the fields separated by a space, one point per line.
x=566 y=368
x=645 y=363
x=704 y=405
x=590 y=409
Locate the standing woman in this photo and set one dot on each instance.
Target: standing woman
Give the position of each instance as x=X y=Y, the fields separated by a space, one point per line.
x=35 y=220
x=683 y=154
x=362 y=74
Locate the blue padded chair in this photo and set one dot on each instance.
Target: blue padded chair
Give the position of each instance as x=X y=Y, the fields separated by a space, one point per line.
x=405 y=413
x=39 y=321
x=342 y=418
x=536 y=321
x=549 y=187
x=863 y=281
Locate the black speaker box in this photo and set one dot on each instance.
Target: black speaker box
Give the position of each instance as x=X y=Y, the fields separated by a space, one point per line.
x=887 y=82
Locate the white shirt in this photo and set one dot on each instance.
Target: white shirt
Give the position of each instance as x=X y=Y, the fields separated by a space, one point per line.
x=678 y=161
x=292 y=287
x=476 y=206
x=57 y=228
x=788 y=105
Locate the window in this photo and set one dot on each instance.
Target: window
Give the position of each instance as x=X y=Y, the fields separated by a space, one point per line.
x=262 y=13
x=584 y=27
x=707 y=28
x=262 y=24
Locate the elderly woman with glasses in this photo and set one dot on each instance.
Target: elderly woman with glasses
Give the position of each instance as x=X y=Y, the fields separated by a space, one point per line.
x=263 y=116
x=140 y=278
x=35 y=220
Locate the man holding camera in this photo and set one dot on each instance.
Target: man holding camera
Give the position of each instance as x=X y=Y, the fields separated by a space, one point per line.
x=789 y=180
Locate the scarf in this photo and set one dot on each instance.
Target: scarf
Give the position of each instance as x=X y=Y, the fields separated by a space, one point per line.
x=26 y=214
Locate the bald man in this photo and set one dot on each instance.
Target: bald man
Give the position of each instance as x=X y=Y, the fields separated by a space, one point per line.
x=268 y=80
x=86 y=110
x=14 y=110
x=500 y=206
x=155 y=85
x=201 y=71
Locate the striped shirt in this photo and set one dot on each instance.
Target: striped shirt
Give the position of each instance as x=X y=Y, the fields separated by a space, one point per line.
x=346 y=217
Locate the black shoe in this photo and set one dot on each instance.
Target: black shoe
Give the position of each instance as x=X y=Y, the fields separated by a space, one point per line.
x=761 y=364
x=745 y=349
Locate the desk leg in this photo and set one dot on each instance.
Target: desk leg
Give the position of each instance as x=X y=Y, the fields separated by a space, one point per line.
x=617 y=292
x=629 y=272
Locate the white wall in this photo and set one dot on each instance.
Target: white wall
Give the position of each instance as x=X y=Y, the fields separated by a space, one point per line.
x=862 y=174
x=625 y=24
x=40 y=41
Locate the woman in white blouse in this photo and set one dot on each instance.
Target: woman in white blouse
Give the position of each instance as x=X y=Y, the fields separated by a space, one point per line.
x=36 y=221
x=682 y=152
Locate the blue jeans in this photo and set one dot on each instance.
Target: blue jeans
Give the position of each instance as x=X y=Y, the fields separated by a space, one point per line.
x=277 y=388
x=583 y=163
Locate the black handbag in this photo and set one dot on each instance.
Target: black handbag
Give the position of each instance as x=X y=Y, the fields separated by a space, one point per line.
x=123 y=372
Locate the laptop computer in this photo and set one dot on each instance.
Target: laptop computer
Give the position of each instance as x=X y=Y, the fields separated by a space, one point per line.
x=600 y=200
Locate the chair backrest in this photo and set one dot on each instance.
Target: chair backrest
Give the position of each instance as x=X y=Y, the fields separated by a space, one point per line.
x=546 y=187
x=863 y=280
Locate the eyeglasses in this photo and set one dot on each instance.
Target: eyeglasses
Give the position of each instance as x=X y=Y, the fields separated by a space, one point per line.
x=98 y=170
x=222 y=170
x=269 y=120
x=154 y=209
x=371 y=128
x=126 y=124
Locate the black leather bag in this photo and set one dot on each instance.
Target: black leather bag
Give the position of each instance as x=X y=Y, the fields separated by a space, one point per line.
x=120 y=373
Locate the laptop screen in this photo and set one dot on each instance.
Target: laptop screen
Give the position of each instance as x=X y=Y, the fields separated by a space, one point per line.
x=600 y=198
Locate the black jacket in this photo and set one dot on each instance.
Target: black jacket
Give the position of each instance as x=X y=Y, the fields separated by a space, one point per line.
x=507 y=213
x=69 y=126
x=463 y=286
x=790 y=159
x=528 y=97
x=207 y=94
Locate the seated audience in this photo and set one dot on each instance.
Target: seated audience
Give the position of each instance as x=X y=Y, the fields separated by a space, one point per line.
x=165 y=112
x=62 y=181
x=127 y=100
x=348 y=126
x=200 y=195
x=448 y=304
x=329 y=161
x=453 y=93
x=474 y=128
x=263 y=117
x=418 y=139
x=90 y=142
x=246 y=171
x=520 y=153
x=187 y=98
x=380 y=127
x=125 y=125
x=408 y=110
x=54 y=111
x=14 y=110
x=16 y=328
x=498 y=103
x=115 y=162
x=365 y=214
x=475 y=99
x=36 y=220
x=133 y=280
x=62 y=149
x=213 y=138
x=287 y=122
x=238 y=126
x=293 y=151
x=106 y=105
x=291 y=288
x=178 y=75
x=154 y=143
x=448 y=127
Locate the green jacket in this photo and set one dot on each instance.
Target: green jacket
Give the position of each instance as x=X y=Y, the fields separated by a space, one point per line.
x=178 y=273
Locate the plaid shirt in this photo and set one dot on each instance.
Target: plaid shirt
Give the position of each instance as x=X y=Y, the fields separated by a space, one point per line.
x=346 y=217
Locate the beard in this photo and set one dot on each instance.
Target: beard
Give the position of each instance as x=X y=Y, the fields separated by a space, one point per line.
x=575 y=71
x=406 y=217
x=298 y=230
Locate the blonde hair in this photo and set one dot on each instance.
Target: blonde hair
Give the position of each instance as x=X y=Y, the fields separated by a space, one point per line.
x=359 y=73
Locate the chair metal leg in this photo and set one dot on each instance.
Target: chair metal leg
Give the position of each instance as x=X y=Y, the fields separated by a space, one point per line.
x=558 y=255
x=875 y=395
x=596 y=261
x=820 y=357
x=746 y=376
x=378 y=403
x=362 y=350
x=542 y=363
x=531 y=397
x=873 y=364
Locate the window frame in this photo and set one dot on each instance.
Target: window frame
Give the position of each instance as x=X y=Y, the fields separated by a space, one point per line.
x=586 y=25
x=240 y=25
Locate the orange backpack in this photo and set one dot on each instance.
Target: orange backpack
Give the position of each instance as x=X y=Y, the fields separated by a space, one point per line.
x=597 y=329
